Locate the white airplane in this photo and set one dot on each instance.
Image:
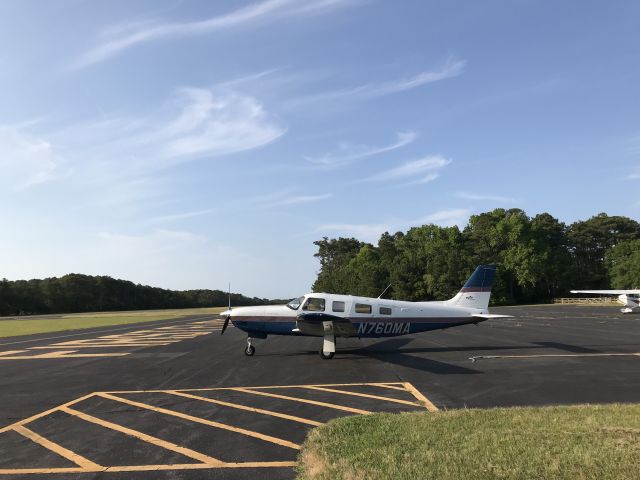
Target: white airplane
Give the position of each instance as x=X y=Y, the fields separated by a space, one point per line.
x=629 y=298
x=329 y=315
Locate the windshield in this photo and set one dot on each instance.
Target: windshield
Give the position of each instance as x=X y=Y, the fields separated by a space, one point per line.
x=295 y=303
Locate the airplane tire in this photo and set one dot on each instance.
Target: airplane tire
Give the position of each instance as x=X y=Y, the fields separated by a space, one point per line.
x=326 y=356
x=250 y=350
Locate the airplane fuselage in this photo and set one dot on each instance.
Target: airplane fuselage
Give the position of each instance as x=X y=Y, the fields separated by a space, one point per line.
x=363 y=317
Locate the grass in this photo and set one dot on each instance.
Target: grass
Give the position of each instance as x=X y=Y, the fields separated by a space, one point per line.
x=574 y=442
x=57 y=323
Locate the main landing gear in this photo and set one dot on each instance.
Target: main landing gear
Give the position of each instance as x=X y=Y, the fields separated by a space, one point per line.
x=328 y=349
x=250 y=350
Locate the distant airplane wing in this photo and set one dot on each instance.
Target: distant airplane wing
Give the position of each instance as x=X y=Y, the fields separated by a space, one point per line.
x=312 y=323
x=488 y=316
x=609 y=292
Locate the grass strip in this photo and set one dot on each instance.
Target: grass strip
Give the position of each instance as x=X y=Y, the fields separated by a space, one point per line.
x=59 y=323
x=569 y=442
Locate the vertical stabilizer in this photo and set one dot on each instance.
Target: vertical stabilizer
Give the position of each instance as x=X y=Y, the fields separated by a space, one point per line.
x=477 y=290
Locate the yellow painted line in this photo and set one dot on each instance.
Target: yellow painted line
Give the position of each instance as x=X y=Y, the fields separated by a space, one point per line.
x=187 y=452
x=365 y=395
x=146 y=468
x=244 y=407
x=11 y=352
x=211 y=389
x=386 y=385
x=59 y=449
x=203 y=421
x=542 y=355
x=44 y=414
x=421 y=398
x=35 y=471
x=304 y=400
x=323 y=385
x=199 y=466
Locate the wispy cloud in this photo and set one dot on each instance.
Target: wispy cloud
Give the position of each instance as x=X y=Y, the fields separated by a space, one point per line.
x=364 y=231
x=634 y=175
x=179 y=216
x=122 y=37
x=25 y=159
x=423 y=170
x=485 y=198
x=447 y=217
x=371 y=232
x=195 y=123
x=451 y=68
x=296 y=200
x=347 y=153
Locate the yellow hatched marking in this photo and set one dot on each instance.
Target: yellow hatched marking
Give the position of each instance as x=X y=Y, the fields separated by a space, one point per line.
x=59 y=449
x=64 y=354
x=250 y=433
x=53 y=347
x=244 y=407
x=304 y=400
x=187 y=452
x=11 y=352
x=44 y=414
x=365 y=395
x=421 y=398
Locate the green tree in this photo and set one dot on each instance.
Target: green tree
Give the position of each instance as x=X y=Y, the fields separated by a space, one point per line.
x=505 y=238
x=334 y=256
x=623 y=264
x=551 y=247
x=588 y=242
x=428 y=263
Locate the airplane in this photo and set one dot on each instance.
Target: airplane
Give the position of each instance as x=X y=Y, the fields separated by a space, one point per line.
x=330 y=315
x=629 y=298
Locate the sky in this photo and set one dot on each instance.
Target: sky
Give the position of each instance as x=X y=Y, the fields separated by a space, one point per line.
x=189 y=144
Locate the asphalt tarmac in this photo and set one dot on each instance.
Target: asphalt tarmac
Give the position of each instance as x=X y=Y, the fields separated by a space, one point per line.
x=177 y=399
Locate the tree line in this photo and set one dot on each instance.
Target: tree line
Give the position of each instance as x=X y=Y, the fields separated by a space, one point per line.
x=538 y=258
x=85 y=293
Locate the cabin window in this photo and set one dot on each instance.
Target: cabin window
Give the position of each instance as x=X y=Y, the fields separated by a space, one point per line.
x=338 y=307
x=363 y=308
x=385 y=311
x=314 y=305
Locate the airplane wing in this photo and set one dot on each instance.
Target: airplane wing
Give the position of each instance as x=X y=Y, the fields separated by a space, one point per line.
x=489 y=316
x=609 y=292
x=312 y=323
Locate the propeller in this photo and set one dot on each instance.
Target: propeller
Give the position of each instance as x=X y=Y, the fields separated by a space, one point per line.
x=228 y=312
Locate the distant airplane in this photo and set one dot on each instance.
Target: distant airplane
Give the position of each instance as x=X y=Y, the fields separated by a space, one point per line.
x=329 y=315
x=629 y=298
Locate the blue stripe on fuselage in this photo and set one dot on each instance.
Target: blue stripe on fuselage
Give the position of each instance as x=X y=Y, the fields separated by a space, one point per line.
x=373 y=328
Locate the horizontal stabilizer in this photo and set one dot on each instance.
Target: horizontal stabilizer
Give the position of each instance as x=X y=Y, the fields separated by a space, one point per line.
x=488 y=316
x=609 y=292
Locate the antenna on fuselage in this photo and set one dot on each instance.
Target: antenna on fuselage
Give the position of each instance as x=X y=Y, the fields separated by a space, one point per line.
x=385 y=291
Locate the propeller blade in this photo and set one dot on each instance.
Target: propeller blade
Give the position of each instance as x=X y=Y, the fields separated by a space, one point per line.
x=225 y=325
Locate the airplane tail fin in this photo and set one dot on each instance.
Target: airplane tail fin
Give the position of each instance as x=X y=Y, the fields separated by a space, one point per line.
x=477 y=290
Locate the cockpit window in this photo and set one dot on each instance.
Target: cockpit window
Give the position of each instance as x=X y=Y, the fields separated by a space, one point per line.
x=314 y=304
x=295 y=303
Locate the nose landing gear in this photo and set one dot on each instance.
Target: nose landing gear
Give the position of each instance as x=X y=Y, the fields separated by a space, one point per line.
x=250 y=350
